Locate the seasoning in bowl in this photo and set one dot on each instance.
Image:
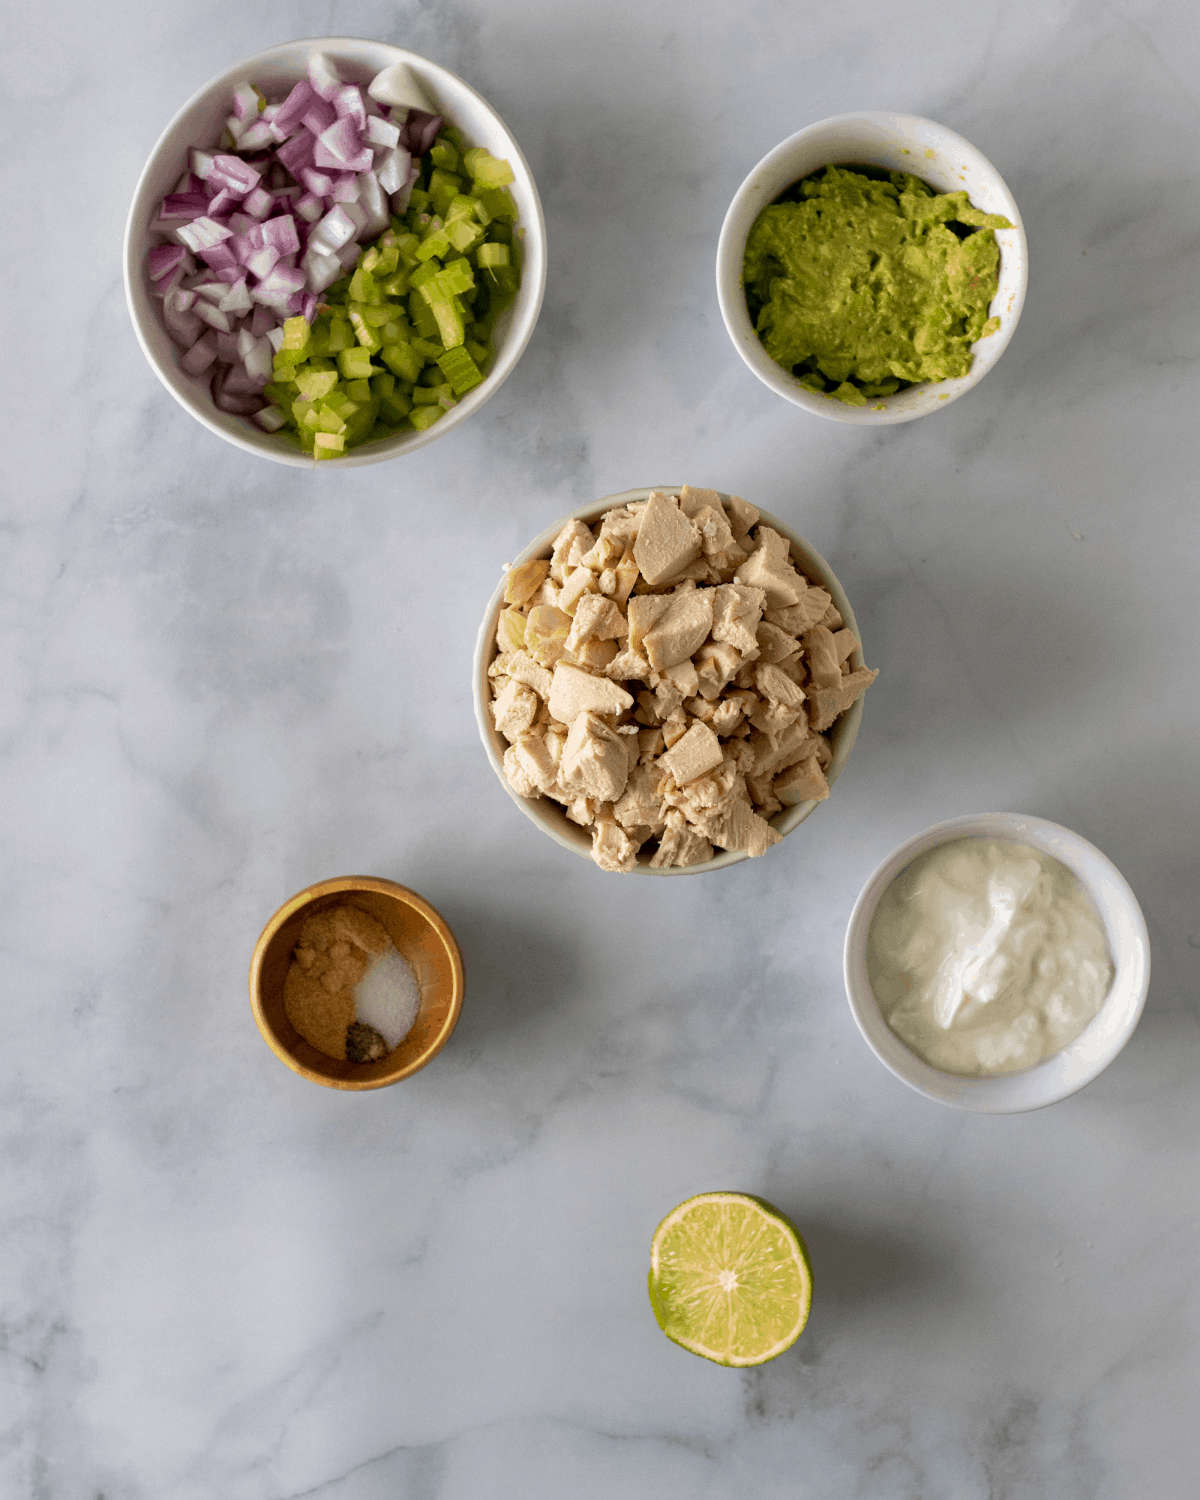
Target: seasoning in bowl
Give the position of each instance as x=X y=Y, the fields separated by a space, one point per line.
x=670 y=678
x=348 y=991
x=863 y=281
x=987 y=956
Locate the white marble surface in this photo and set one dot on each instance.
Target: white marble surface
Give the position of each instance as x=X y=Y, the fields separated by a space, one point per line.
x=222 y=679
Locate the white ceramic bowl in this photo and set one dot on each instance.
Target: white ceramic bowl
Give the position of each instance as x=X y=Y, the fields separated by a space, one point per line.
x=905 y=143
x=548 y=815
x=199 y=123
x=1084 y=1058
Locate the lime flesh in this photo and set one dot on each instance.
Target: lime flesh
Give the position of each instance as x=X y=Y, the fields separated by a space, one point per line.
x=730 y=1278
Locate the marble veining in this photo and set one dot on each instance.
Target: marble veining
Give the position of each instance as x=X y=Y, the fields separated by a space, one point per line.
x=222 y=679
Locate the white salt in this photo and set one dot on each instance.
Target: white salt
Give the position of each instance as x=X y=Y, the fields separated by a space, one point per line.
x=388 y=997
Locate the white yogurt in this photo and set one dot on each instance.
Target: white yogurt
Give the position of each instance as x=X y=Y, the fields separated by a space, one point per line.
x=987 y=956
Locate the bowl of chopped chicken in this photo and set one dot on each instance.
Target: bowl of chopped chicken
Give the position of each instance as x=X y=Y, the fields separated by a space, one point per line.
x=669 y=681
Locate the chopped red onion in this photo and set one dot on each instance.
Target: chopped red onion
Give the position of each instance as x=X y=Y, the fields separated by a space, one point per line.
x=381 y=132
x=184 y=327
x=260 y=263
x=219 y=257
x=236 y=300
x=323 y=75
x=292 y=111
x=233 y=173
x=348 y=104
x=203 y=232
x=334 y=230
x=297 y=153
x=200 y=355
x=245 y=101
x=321 y=270
x=258 y=135
x=320 y=184
x=183 y=206
x=343 y=143
x=260 y=360
x=319 y=116
x=243 y=214
x=393 y=168
x=419 y=131
x=165 y=260
x=236 y=404
x=281 y=232
x=213 y=316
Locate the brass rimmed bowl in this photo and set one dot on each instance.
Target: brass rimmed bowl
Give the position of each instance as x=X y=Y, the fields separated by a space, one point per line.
x=419 y=934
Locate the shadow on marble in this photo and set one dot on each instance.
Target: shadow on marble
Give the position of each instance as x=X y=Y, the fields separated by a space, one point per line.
x=513 y=972
x=860 y=1274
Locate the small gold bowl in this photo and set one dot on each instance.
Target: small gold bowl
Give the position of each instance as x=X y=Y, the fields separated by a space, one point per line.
x=420 y=936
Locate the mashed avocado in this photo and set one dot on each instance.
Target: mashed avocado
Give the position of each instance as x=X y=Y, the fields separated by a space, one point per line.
x=864 y=281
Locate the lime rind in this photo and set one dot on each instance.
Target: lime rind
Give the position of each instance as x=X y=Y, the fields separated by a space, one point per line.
x=730 y=1279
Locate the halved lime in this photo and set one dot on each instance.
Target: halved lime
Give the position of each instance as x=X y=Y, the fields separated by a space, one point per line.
x=730 y=1278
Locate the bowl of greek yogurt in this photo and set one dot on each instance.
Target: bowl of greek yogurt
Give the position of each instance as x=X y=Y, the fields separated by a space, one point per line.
x=997 y=962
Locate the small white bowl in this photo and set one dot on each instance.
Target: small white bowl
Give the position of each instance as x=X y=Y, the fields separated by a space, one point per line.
x=903 y=143
x=199 y=123
x=1084 y=1058
x=549 y=815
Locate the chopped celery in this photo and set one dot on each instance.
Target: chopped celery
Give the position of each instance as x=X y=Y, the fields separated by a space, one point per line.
x=460 y=370
x=422 y=316
x=314 y=384
x=443 y=154
x=456 y=277
x=395 y=406
x=485 y=170
x=435 y=244
x=499 y=203
x=403 y=359
x=296 y=334
x=363 y=288
x=464 y=235
x=408 y=329
x=364 y=333
x=355 y=364
x=341 y=335
x=423 y=274
x=450 y=321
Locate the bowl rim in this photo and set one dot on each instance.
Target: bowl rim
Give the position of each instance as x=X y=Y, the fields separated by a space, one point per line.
x=1084 y=1058
x=919 y=400
x=546 y=813
x=351 y=885
x=139 y=301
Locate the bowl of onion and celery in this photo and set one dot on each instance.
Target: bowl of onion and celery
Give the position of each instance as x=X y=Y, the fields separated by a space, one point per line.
x=336 y=251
